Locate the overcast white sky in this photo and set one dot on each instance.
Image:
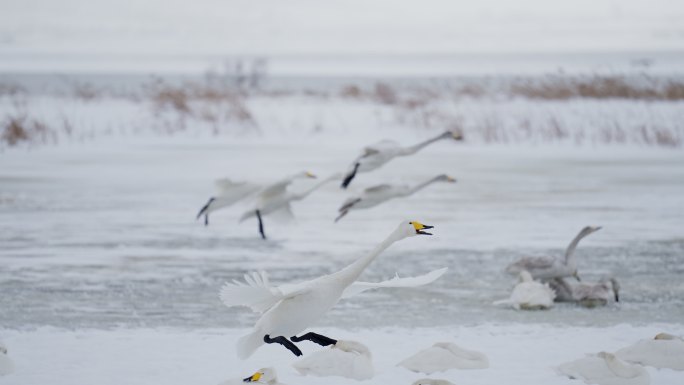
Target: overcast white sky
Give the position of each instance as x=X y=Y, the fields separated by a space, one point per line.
x=351 y=26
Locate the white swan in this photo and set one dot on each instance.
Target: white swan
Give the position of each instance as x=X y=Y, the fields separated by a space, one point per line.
x=275 y=199
x=291 y=311
x=443 y=356
x=605 y=369
x=552 y=267
x=529 y=294
x=587 y=294
x=348 y=359
x=430 y=381
x=373 y=196
x=376 y=155
x=228 y=193
x=664 y=351
x=262 y=376
x=6 y=364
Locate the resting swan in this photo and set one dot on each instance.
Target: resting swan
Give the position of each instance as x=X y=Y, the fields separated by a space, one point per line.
x=529 y=294
x=348 y=359
x=587 y=294
x=6 y=364
x=443 y=356
x=663 y=351
x=605 y=369
x=548 y=267
x=290 y=309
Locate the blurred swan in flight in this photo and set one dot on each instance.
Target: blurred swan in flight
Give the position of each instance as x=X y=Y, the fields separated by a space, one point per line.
x=228 y=193
x=275 y=199
x=374 y=156
x=373 y=196
x=605 y=369
x=262 y=376
x=548 y=267
x=587 y=294
x=6 y=364
x=348 y=359
x=290 y=309
x=529 y=294
x=663 y=351
x=443 y=356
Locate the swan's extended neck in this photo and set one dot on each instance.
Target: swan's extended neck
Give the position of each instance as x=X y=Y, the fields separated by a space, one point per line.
x=569 y=258
x=352 y=272
x=421 y=186
x=415 y=148
x=305 y=193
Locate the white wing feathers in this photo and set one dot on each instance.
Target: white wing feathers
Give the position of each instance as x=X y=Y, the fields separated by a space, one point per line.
x=360 y=287
x=257 y=294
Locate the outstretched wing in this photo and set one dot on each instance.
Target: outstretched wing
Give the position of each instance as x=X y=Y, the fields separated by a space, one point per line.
x=377 y=189
x=360 y=287
x=229 y=188
x=256 y=292
x=529 y=264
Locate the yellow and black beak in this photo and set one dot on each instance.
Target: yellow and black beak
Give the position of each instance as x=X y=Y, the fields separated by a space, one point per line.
x=450 y=179
x=420 y=227
x=310 y=175
x=253 y=378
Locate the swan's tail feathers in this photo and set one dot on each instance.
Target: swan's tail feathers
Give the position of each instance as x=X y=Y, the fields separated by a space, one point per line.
x=205 y=211
x=348 y=178
x=255 y=293
x=248 y=344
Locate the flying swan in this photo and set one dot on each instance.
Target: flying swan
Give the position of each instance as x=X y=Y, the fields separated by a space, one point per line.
x=376 y=195
x=290 y=309
x=552 y=267
x=348 y=359
x=374 y=156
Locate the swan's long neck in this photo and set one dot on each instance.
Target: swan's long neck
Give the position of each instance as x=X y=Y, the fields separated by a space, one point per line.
x=421 y=186
x=570 y=251
x=352 y=272
x=415 y=148
x=305 y=193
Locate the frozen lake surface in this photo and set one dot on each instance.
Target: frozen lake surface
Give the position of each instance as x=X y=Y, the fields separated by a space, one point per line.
x=103 y=236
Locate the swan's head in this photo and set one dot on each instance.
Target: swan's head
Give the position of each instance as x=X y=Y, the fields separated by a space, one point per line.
x=445 y=178
x=590 y=229
x=453 y=134
x=411 y=228
x=307 y=174
x=262 y=376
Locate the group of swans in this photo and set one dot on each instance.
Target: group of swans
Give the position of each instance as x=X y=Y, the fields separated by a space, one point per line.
x=553 y=273
x=275 y=199
x=624 y=367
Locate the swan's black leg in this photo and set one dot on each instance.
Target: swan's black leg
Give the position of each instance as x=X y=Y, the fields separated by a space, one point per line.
x=283 y=341
x=351 y=176
x=261 y=225
x=206 y=219
x=341 y=215
x=204 y=210
x=317 y=338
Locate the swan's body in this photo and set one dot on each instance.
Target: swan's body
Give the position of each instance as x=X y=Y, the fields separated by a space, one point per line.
x=443 y=356
x=430 y=381
x=290 y=309
x=374 y=156
x=276 y=198
x=587 y=294
x=376 y=195
x=228 y=193
x=262 y=376
x=664 y=351
x=6 y=364
x=548 y=267
x=529 y=294
x=348 y=359
x=605 y=369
